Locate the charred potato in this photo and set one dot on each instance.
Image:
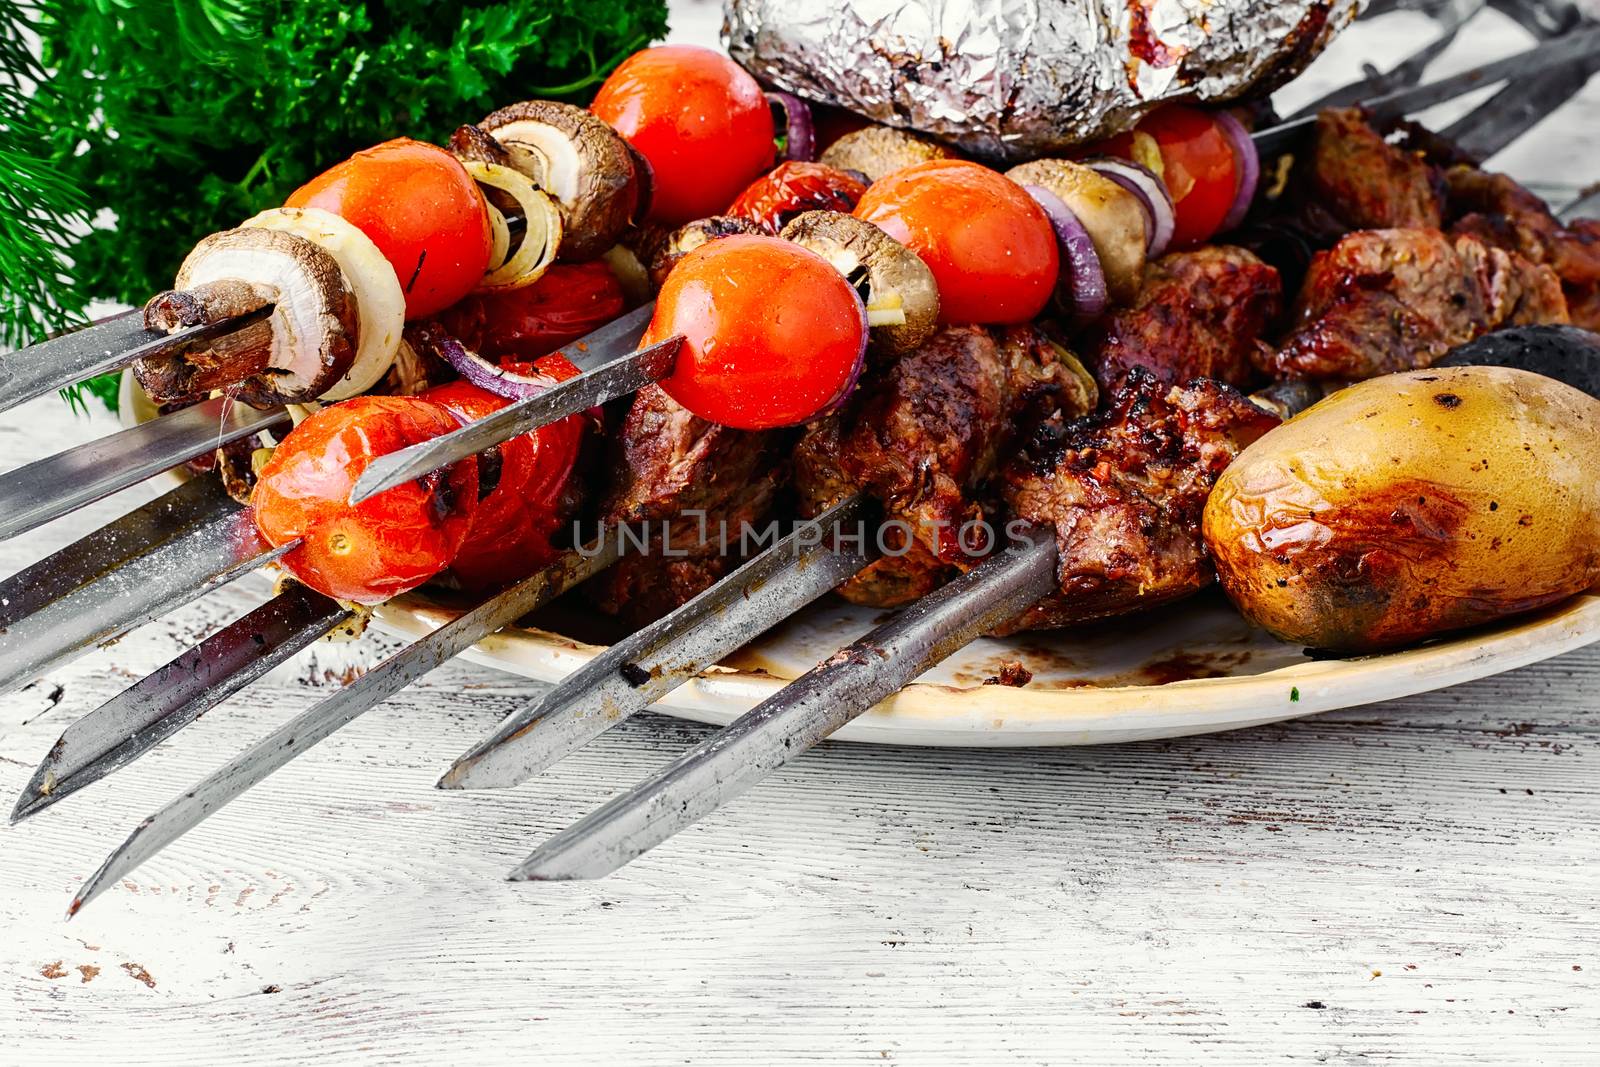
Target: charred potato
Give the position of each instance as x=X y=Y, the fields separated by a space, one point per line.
x=898 y=289
x=1411 y=505
x=1112 y=215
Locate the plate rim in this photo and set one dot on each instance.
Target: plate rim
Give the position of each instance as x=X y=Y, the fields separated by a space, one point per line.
x=927 y=713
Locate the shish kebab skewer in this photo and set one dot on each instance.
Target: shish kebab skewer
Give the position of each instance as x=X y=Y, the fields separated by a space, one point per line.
x=398 y=467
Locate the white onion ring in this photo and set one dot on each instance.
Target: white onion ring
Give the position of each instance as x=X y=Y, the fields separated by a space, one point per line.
x=541 y=238
x=500 y=237
x=380 y=302
x=1153 y=196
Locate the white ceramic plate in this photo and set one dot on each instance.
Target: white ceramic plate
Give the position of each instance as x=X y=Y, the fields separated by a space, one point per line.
x=1195 y=668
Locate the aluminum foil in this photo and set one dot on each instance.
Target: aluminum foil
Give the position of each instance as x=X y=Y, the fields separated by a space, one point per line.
x=1016 y=79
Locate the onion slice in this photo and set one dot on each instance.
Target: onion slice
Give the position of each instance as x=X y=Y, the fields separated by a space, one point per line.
x=479 y=371
x=1081 y=290
x=380 y=302
x=541 y=238
x=799 y=131
x=1247 y=168
x=1161 y=217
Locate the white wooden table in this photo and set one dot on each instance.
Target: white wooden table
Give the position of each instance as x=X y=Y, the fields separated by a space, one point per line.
x=1414 y=880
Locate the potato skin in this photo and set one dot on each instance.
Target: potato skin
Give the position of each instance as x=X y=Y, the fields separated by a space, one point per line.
x=1410 y=505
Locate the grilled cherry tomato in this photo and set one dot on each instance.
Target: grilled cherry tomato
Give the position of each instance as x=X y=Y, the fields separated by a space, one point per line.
x=381 y=547
x=1188 y=150
x=990 y=247
x=793 y=187
x=773 y=335
x=423 y=211
x=570 y=301
x=699 y=119
x=511 y=531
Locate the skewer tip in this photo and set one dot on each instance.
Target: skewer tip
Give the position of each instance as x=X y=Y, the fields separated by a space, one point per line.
x=38 y=794
x=474 y=770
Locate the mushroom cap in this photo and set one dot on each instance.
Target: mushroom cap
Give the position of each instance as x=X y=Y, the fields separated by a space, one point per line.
x=879 y=150
x=1111 y=214
x=581 y=162
x=312 y=339
x=379 y=300
x=888 y=275
x=674 y=245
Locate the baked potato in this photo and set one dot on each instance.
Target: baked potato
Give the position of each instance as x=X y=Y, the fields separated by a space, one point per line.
x=1411 y=505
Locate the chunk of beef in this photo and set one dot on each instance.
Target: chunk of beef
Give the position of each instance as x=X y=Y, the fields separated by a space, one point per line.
x=669 y=463
x=1124 y=489
x=1198 y=314
x=1382 y=301
x=923 y=433
x=1496 y=210
x=1366 y=183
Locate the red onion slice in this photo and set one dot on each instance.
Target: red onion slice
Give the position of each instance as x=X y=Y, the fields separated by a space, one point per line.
x=855 y=374
x=1247 y=168
x=799 y=131
x=1082 y=285
x=479 y=371
x=1161 y=218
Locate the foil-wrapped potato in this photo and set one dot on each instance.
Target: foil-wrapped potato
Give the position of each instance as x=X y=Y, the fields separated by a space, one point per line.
x=1411 y=505
x=1016 y=79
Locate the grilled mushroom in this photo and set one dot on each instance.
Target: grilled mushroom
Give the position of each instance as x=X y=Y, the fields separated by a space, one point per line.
x=879 y=150
x=305 y=344
x=577 y=159
x=663 y=254
x=1112 y=215
x=474 y=143
x=901 y=295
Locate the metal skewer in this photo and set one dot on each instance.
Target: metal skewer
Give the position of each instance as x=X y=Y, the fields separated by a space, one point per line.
x=143 y=588
x=807 y=710
x=1396 y=105
x=321 y=721
x=618 y=376
x=635 y=673
x=165 y=701
x=105 y=346
x=196 y=502
x=33 y=495
x=1454 y=16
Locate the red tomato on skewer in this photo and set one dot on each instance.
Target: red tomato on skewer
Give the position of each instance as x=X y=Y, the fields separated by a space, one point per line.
x=991 y=248
x=515 y=521
x=1196 y=160
x=698 y=117
x=773 y=334
x=381 y=547
x=423 y=211
x=793 y=187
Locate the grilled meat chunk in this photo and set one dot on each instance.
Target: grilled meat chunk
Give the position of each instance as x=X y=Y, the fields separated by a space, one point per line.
x=1125 y=489
x=1365 y=183
x=1198 y=314
x=1382 y=301
x=923 y=433
x=1499 y=212
x=670 y=463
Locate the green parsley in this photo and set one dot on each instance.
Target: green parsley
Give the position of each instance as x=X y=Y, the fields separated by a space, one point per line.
x=163 y=122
